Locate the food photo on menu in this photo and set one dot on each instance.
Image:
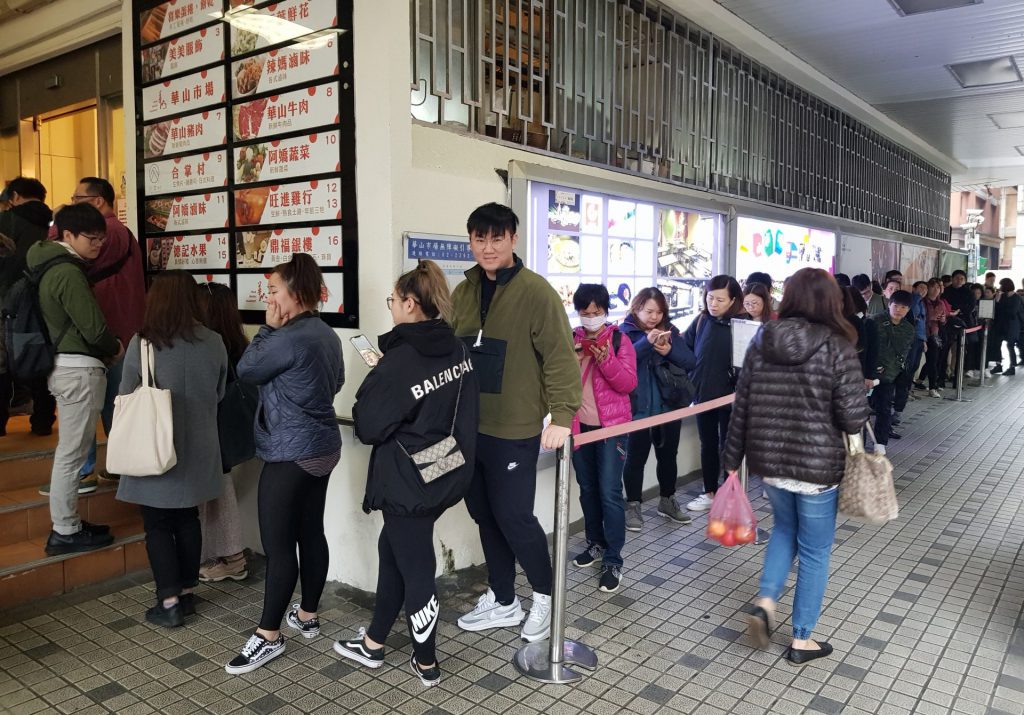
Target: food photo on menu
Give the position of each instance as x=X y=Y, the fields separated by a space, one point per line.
x=247 y=76
x=157 y=213
x=250 y=163
x=155 y=139
x=251 y=249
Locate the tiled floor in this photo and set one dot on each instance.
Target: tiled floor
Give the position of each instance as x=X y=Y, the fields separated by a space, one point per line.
x=924 y=614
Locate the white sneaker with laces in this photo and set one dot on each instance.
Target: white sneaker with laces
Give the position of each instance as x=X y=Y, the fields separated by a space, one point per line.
x=880 y=449
x=491 y=614
x=935 y=393
x=701 y=503
x=538 y=624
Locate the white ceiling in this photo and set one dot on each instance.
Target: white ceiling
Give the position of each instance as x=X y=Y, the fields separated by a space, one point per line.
x=898 y=64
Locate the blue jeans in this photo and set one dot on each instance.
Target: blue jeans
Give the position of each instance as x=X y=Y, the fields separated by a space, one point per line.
x=805 y=526
x=106 y=414
x=598 y=468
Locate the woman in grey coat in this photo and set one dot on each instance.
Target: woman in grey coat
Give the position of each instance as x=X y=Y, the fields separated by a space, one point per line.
x=191 y=362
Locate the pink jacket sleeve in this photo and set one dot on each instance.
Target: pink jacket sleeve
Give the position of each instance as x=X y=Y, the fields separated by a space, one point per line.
x=620 y=369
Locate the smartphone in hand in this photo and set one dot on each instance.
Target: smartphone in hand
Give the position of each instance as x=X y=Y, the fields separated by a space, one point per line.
x=366 y=351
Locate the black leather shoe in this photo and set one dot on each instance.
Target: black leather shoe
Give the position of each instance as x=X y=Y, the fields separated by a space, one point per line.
x=997 y=369
x=167 y=617
x=188 y=603
x=895 y=435
x=98 y=529
x=759 y=626
x=84 y=540
x=800 y=657
x=1010 y=373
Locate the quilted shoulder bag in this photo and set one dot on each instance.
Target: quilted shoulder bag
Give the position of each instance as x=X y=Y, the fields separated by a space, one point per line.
x=141 y=440
x=442 y=457
x=867 y=492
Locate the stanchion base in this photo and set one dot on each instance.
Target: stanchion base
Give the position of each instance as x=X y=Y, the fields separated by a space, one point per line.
x=961 y=399
x=534 y=661
x=761 y=537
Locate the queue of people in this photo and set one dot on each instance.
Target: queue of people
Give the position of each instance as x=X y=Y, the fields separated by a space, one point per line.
x=470 y=386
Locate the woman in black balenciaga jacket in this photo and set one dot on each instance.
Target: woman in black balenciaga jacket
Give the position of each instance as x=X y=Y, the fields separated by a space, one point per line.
x=801 y=388
x=421 y=392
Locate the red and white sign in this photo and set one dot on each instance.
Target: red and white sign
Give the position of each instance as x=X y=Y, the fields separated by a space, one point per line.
x=291 y=111
x=277 y=69
x=187 y=213
x=289 y=203
x=190 y=133
x=176 y=16
x=185 y=94
x=187 y=173
x=286 y=158
x=222 y=278
x=252 y=292
x=265 y=249
x=252 y=29
x=209 y=251
x=182 y=54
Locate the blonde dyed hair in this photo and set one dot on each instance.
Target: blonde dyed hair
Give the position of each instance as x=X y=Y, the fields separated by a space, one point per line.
x=429 y=286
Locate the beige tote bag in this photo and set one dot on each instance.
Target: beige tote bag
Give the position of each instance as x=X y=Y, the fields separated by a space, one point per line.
x=141 y=440
x=867 y=492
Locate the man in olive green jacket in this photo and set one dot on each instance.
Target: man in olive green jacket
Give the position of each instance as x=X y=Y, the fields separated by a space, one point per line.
x=522 y=350
x=79 y=378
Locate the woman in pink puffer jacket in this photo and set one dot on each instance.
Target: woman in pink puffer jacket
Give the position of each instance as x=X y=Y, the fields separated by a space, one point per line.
x=608 y=371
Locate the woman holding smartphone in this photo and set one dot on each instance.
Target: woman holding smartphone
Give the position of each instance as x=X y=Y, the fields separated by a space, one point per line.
x=709 y=337
x=296 y=361
x=400 y=418
x=655 y=340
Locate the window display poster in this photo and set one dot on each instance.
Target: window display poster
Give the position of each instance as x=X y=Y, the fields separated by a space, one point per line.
x=885 y=256
x=781 y=249
x=686 y=244
x=563 y=210
x=917 y=263
x=950 y=261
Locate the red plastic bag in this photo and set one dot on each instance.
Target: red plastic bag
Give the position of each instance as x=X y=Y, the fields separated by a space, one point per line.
x=731 y=519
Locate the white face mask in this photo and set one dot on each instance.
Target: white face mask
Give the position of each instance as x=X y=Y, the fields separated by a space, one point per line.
x=592 y=324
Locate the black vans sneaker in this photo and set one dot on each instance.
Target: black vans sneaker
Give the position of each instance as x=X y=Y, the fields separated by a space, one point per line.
x=308 y=629
x=256 y=652
x=356 y=650
x=429 y=677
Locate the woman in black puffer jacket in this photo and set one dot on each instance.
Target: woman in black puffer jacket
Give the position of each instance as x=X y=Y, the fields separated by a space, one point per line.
x=801 y=389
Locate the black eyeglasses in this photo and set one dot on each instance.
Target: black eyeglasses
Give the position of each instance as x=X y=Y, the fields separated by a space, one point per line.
x=94 y=238
x=391 y=299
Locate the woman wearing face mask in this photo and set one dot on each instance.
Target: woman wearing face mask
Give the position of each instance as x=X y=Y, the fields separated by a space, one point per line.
x=295 y=359
x=399 y=418
x=654 y=340
x=757 y=303
x=710 y=339
x=608 y=370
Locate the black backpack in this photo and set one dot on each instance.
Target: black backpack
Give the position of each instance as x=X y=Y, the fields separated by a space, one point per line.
x=30 y=352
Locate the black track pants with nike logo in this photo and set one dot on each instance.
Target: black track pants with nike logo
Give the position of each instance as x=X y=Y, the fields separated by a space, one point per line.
x=406 y=578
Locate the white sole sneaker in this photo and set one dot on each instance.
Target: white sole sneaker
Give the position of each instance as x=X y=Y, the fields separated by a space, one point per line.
x=357 y=657
x=292 y=621
x=536 y=636
x=507 y=621
x=248 y=668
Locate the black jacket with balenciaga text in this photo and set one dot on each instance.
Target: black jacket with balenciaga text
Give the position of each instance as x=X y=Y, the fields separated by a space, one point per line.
x=406 y=404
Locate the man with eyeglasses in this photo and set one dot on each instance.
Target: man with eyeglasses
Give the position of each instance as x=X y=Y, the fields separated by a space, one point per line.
x=521 y=345
x=120 y=290
x=25 y=223
x=84 y=347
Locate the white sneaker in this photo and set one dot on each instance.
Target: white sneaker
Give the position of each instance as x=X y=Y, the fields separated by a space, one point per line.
x=880 y=449
x=701 y=503
x=538 y=625
x=973 y=374
x=491 y=614
x=935 y=393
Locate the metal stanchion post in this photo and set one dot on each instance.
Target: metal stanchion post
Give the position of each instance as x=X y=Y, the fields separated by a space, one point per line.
x=761 y=536
x=544 y=660
x=961 y=355
x=984 y=355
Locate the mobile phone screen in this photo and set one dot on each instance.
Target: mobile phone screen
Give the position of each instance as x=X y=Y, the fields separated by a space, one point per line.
x=366 y=350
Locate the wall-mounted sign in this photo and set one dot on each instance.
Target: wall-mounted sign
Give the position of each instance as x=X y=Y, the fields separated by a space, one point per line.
x=188 y=52
x=781 y=249
x=184 y=94
x=187 y=173
x=246 y=143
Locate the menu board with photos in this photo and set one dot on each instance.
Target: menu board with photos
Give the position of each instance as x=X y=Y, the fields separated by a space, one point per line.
x=246 y=143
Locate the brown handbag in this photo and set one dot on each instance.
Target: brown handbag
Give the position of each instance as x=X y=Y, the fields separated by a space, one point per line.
x=867 y=492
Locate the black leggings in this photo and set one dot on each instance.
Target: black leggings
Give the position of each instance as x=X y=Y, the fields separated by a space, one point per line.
x=174 y=543
x=665 y=439
x=405 y=577
x=291 y=508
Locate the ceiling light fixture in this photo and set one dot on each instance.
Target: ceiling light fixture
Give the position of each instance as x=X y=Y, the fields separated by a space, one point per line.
x=1008 y=120
x=986 y=73
x=917 y=7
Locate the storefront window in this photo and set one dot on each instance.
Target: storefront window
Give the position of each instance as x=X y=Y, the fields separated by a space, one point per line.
x=10 y=156
x=67 y=151
x=586 y=237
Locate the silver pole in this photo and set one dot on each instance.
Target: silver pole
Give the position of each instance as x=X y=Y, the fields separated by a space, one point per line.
x=961 y=352
x=984 y=354
x=542 y=661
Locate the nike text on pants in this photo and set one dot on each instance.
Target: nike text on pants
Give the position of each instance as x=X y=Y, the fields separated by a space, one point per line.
x=500 y=500
x=406 y=578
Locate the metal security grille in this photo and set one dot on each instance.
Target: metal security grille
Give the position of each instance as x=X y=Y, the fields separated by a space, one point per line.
x=632 y=85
